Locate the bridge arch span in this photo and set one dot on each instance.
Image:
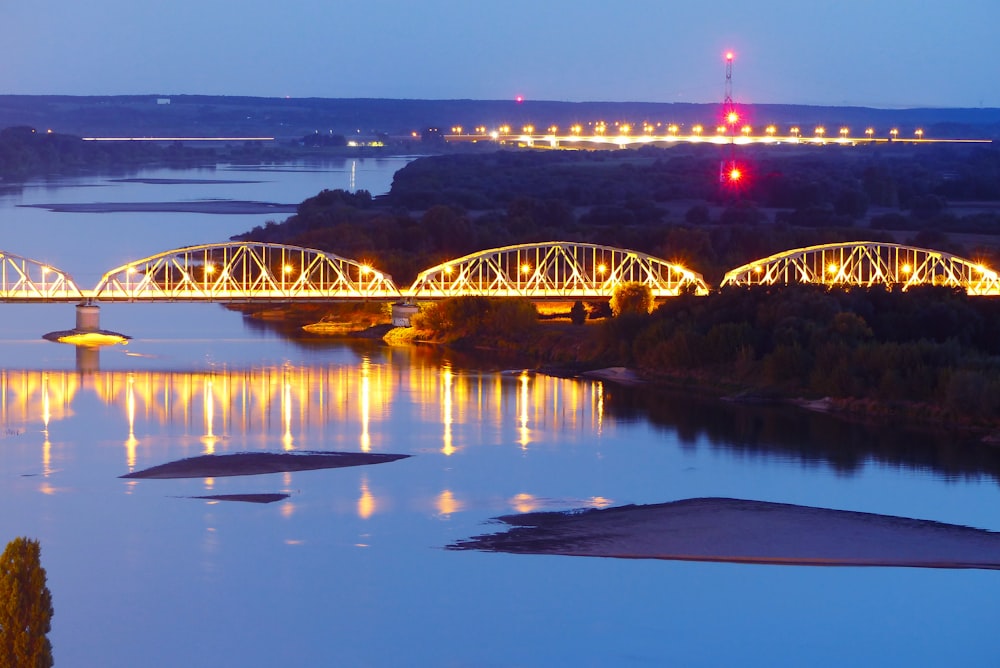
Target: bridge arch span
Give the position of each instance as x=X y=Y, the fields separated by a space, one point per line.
x=242 y=271
x=27 y=279
x=553 y=270
x=865 y=264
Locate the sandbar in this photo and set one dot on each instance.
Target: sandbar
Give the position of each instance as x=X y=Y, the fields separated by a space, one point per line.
x=737 y=530
x=245 y=498
x=210 y=206
x=182 y=182
x=255 y=463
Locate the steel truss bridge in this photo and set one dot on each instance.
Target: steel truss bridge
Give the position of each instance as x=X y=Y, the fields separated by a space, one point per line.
x=557 y=270
x=248 y=272
x=867 y=264
x=553 y=270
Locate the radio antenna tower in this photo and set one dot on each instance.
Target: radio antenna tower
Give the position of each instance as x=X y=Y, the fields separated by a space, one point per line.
x=729 y=171
x=727 y=102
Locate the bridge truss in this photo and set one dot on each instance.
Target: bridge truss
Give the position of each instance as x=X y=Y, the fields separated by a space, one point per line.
x=553 y=270
x=23 y=279
x=867 y=263
x=244 y=271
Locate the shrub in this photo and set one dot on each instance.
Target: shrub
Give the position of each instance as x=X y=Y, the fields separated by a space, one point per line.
x=630 y=298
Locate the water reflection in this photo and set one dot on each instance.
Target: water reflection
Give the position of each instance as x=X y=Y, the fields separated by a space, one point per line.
x=807 y=437
x=301 y=406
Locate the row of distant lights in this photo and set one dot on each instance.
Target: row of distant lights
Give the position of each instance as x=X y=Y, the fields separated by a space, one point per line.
x=525 y=269
x=601 y=270
x=833 y=268
x=625 y=129
x=285 y=269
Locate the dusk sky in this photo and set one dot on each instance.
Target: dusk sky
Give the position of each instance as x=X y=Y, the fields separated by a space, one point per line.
x=880 y=53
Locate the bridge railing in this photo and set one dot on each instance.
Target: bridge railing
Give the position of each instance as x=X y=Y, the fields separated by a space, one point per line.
x=244 y=271
x=24 y=279
x=865 y=264
x=553 y=270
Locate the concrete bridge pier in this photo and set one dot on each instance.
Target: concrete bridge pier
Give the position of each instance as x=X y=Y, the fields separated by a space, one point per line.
x=88 y=317
x=403 y=312
x=88 y=330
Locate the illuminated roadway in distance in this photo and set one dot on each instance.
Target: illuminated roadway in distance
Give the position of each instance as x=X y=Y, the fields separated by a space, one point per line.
x=816 y=136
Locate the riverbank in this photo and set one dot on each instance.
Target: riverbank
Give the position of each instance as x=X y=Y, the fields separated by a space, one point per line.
x=637 y=349
x=562 y=349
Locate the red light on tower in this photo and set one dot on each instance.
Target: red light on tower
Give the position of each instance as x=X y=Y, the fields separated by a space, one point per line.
x=729 y=55
x=733 y=175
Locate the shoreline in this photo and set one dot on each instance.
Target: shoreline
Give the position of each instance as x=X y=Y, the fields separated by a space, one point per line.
x=875 y=412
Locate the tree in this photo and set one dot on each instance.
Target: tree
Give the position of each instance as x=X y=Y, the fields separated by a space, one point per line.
x=25 y=607
x=632 y=298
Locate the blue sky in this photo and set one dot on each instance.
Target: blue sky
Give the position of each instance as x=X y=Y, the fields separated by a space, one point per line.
x=881 y=53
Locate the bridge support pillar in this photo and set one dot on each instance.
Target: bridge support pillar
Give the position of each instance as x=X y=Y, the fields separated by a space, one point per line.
x=88 y=318
x=402 y=313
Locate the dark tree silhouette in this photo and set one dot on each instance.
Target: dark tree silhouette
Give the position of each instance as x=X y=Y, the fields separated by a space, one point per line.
x=25 y=607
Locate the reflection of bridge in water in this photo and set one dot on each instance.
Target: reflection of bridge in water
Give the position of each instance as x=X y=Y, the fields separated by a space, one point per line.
x=556 y=270
x=332 y=407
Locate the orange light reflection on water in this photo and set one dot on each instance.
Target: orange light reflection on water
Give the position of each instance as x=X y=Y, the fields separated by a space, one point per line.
x=305 y=407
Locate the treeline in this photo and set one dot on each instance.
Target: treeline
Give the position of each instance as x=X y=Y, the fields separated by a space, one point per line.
x=402 y=243
x=845 y=178
x=26 y=153
x=665 y=202
x=929 y=345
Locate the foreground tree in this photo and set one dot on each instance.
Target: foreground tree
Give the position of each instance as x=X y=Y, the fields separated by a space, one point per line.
x=25 y=607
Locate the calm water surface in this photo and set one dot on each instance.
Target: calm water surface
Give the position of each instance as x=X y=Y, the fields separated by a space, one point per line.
x=349 y=570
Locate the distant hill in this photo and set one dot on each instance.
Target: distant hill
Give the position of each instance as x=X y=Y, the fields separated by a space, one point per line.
x=289 y=118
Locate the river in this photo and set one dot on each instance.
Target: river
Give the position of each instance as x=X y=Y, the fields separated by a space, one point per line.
x=350 y=569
